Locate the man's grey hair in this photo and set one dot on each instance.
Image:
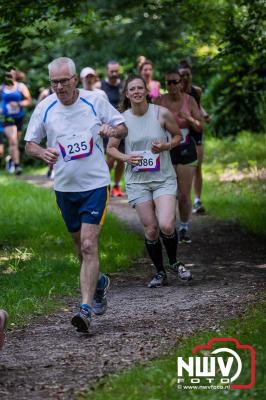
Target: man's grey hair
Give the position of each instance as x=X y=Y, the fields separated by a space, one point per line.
x=61 y=62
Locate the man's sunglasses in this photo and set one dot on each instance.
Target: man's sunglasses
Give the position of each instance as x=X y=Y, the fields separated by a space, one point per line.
x=173 y=81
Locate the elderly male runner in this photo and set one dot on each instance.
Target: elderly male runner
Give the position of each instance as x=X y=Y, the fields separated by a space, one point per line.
x=74 y=121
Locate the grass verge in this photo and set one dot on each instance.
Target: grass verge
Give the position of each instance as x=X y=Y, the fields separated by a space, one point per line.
x=37 y=259
x=157 y=379
x=234 y=179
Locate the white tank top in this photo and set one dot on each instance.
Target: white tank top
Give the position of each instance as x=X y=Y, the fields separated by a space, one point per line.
x=142 y=131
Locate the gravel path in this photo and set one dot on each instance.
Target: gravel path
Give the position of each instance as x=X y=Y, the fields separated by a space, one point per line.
x=49 y=360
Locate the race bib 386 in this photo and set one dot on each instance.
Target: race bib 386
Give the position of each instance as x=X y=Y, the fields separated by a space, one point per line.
x=150 y=161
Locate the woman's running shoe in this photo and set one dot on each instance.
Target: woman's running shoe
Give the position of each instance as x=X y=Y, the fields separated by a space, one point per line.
x=159 y=280
x=183 y=273
x=184 y=236
x=198 y=208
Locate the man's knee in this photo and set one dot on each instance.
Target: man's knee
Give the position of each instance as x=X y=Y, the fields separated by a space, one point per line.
x=88 y=247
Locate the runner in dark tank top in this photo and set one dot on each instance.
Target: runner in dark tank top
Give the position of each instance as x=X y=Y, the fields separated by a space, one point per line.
x=194 y=91
x=113 y=87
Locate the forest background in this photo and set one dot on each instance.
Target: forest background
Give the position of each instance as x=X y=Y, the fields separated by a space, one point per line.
x=224 y=40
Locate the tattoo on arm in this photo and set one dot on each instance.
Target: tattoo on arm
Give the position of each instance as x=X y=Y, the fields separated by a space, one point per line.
x=120 y=132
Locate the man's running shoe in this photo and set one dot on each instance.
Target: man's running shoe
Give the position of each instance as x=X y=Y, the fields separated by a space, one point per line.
x=198 y=208
x=159 y=280
x=82 y=319
x=18 y=170
x=184 y=236
x=183 y=273
x=99 y=304
x=117 y=192
x=10 y=167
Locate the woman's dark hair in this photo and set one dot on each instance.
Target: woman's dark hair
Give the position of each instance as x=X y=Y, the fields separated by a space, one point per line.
x=16 y=75
x=125 y=102
x=146 y=62
x=20 y=76
x=173 y=71
x=184 y=64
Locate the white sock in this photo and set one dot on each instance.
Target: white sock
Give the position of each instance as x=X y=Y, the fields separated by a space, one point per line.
x=196 y=200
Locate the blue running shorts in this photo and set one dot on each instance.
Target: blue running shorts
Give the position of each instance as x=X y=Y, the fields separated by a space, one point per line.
x=88 y=207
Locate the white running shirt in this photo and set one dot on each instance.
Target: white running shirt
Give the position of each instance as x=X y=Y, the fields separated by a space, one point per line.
x=73 y=132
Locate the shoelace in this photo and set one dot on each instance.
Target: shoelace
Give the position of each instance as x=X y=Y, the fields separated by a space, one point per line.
x=177 y=266
x=158 y=276
x=100 y=294
x=85 y=314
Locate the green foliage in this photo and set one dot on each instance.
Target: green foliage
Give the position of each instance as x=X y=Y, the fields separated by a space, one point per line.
x=37 y=258
x=224 y=40
x=158 y=379
x=236 y=94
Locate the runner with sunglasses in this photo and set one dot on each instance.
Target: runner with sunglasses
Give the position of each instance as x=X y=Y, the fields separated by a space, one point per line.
x=184 y=69
x=184 y=157
x=150 y=177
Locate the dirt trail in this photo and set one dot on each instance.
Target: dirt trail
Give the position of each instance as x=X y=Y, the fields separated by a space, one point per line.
x=49 y=360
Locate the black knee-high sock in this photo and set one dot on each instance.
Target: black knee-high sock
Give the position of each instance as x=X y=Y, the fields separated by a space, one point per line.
x=170 y=243
x=154 y=249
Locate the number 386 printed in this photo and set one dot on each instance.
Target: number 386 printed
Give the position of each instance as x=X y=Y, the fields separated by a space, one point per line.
x=145 y=162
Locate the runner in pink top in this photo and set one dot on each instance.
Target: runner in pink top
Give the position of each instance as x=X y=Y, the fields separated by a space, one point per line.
x=184 y=156
x=146 y=71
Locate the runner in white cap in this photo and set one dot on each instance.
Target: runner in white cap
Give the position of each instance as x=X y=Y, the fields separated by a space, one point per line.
x=88 y=77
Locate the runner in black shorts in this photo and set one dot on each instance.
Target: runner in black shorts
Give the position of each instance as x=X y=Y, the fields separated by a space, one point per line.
x=184 y=156
x=195 y=91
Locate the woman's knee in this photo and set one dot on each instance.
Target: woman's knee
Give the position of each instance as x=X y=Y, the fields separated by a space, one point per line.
x=151 y=232
x=168 y=227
